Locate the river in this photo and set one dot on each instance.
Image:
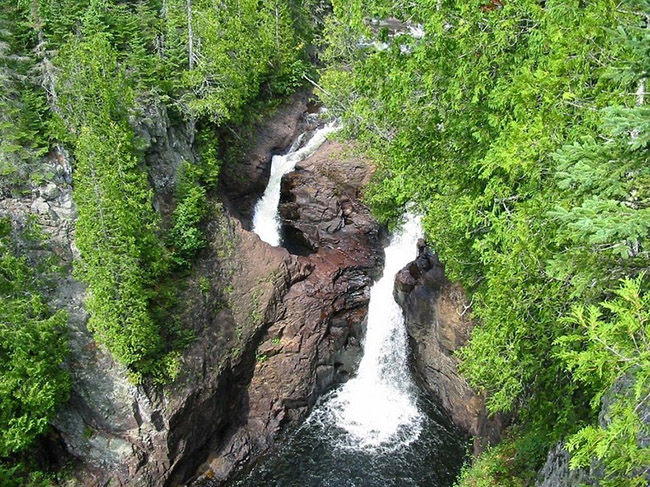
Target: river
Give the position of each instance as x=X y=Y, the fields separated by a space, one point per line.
x=377 y=429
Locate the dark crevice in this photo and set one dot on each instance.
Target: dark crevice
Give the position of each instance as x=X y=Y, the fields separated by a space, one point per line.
x=295 y=242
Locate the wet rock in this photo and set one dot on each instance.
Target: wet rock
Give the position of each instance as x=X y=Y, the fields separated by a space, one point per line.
x=437 y=321
x=312 y=334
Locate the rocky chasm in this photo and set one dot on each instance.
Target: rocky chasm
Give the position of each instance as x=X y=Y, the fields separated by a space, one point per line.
x=274 y=327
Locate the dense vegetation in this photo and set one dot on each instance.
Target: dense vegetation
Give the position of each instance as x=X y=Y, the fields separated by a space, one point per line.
x=521 y=130
x=102 y=63
x=205 y=64
x=32 y=347
x=87 y=75
x=31 y=350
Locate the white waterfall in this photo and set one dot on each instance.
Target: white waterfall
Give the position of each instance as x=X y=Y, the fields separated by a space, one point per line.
x=377 y=429
x=266 y=221
x=377 y=408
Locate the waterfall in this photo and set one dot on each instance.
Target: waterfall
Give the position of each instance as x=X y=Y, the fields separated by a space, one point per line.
x=378 y=408
x=377 y=429
x=266 y=221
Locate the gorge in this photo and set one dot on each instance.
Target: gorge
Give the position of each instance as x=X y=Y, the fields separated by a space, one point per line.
x=377 y=428
x=314 y=242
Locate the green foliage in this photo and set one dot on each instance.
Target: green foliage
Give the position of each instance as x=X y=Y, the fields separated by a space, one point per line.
x=204 y=285
x=261 y=358
x=22 y=103
x=519 y=131
x=205 y=62
x=21 y=476
x=116 y=230
x=219 y=58
x=27 y=472
x=208 y=170
x=186 y=236
x=33 y=346
x=491 y=469
x=609 y=349
x=115 y=234
x=605 y=183
x=512 y=463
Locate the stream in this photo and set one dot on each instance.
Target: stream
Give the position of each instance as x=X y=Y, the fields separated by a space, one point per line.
x=266 y=221
x=378 y=428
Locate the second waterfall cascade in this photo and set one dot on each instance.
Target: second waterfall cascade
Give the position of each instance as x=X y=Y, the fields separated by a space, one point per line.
x=378 y=407
x=377 y=429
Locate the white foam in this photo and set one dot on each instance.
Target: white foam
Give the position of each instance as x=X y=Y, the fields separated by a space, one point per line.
x=378 y=407
x=266 y=221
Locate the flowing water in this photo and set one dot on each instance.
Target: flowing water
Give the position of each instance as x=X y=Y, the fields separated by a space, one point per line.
x=378 y=407
x=266 y=221
x=377 y=429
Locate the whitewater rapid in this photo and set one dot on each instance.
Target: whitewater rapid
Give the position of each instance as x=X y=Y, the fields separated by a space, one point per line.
x=378 y=407
x=266 y=220
x=377 y=429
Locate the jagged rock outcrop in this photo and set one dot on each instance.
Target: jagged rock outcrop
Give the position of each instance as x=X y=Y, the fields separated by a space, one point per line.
x=312 y=332
x=437 y=321
x=320 y=199
x=168 y=146
x=556 y=471
x=244 y=180
x=271 y=329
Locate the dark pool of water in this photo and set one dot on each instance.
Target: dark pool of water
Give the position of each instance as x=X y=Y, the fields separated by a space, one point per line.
x=310 y=457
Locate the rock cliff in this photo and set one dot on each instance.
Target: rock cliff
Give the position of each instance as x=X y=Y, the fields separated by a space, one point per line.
x=272 y=327
x=310 y=335
x=556 y=471
x=437 y=321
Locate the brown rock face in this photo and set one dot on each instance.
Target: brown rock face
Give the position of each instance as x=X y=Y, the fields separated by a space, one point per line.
x=436 y=312
x=243 y=181
x=271 y=329
x=311 y=337
x=319 y=199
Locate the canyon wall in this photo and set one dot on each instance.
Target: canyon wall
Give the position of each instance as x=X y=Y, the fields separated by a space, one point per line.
x=437 y=314
x=271 y=329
